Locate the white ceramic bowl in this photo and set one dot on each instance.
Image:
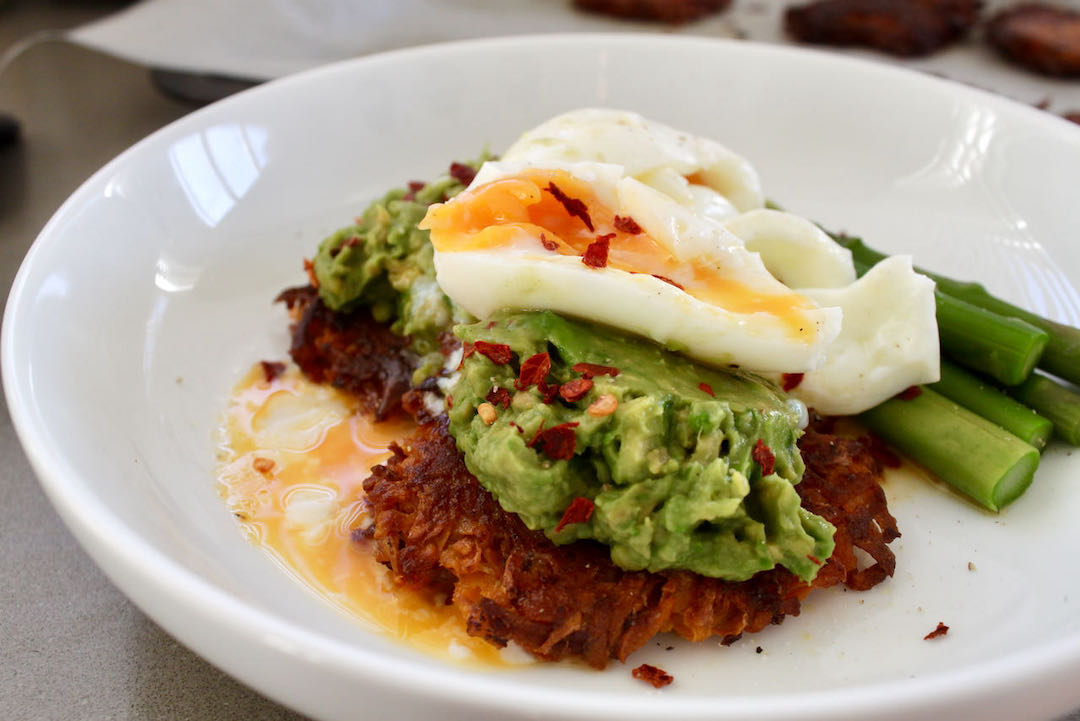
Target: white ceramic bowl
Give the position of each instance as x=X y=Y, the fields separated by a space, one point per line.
x=150 y=292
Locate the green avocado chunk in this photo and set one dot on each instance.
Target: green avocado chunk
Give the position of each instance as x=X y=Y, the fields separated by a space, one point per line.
x=672 y=474
x=385 y=262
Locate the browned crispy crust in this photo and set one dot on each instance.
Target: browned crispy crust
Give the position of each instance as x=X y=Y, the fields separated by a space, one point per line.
x=908 y=28
x=842 y=484
x=1038 y=36
x=674 y=12
x=439 y=530
x=350 y=351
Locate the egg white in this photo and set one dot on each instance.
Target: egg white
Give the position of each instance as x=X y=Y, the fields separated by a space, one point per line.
x=521 y=275
x=888 y=341
x=487 y=282
x=856 y=342
x=798 y=253
x=654 y=153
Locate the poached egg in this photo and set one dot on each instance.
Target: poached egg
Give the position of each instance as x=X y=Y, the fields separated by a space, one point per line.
x=606 y=216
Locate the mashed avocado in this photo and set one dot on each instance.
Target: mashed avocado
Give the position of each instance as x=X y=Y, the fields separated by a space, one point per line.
x=671 y=475
x=385 y=262
x=664 y=470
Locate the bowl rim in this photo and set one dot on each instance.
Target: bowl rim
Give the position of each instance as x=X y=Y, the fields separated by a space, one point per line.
x=70 y=491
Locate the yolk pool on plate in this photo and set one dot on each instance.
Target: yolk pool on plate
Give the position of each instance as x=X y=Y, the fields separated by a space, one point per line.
x=293 y=458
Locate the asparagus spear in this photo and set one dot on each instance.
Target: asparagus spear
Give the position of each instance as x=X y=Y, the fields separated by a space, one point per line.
x=1006 y=349
x=963 y=388
x=973 y=455
x=1055 y=401
x=1061 y=356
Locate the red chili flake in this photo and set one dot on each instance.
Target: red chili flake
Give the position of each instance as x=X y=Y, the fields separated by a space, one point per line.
x=498 y=397
x=763 y=455
x=658 y=677
x=591 y=370
x=574 y=206
x=449 y=401
x=707 y=389
x=626 y=224
x=516 y=426
x=910 y=392
x=814 y=559
x=597 y=251
x=263 y=465
x=941 y=630
x=579 y=511
x=462 y=173
x=415 y=186
x=667 y=280
x=548 y=244
x=881 y=452
x=272 y=369
x=534 y=370
x=791 y=380
x=548 y=393
x=309 y=268
x=557 y=442
x=575 y=390
x=351 y=242
x=498 y=353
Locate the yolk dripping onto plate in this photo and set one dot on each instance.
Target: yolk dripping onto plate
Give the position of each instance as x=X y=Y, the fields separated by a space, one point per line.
x=293 y=459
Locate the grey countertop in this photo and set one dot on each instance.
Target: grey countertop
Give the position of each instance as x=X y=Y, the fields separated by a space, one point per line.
x=73 y=647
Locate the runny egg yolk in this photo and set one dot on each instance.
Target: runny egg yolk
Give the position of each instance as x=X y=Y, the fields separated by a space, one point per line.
x=553 y=211
x=292 y=461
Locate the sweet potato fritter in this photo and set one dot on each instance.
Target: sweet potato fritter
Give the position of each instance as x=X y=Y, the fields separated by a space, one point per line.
x=842 y=484
x=350 y=351
x=674 y=12
x=1038 y=36
x=439 y=530
x=909 y=28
